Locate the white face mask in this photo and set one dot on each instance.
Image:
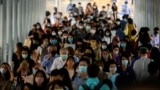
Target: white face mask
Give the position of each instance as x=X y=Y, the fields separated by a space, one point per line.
x=3 y=71
x=59 y=33
x=64 y=37
x=115 y=52
x=59 y=89
x=80 y=27
x=93 y=31
x=118 y=22
x=53 y=33
x=113 y=69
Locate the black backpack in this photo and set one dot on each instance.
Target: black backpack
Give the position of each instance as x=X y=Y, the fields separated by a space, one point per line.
x=99 y=85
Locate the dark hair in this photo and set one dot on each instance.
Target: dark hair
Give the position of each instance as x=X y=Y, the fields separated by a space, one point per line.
x=93 y=70
x=84 y=60
x=44 y=84
x=155 y=54
x=19 y=45
x=55 y=72
x=66 y=78
x=25 y=48
x=130 y=20
x=112 y=62
x=153 y=67
x=156 y=28
x=70 y=57
x=7 y=74
x=51 y=85
x=30 y=86
x=115 y=46
x=70 y=51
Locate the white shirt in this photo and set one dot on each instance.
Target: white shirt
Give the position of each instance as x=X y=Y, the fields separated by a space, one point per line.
x=107 y=39
x=125 y=10
x=109 y=12
x=53 y=19
x=141 y=68
x=58 y=63
x=155 y=41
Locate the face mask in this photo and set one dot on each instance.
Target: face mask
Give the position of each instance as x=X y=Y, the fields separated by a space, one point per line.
x=116 y=52
x=39 y=80
x=64 y=56
x=70 y=40
x=34 y=71
x=105 y=56
x=91 y=17
x=100 y=67
x=24 y=56
x=113 y=69
x=53 y=34
x=54 y=41
x=53 y=52
x=118 y=22
x=80 y=27
x=123 y=45
x=82 y=69
x=59 y=33
x=125 y=20
x=104 y=47
x=38 y=27
x=93 y=31
x=58 y=89
x=125 y=62
x=46 y=43
x=88 y=19
x=64 y=37
x=3 y=71
x=88 y=28
x=107 y=34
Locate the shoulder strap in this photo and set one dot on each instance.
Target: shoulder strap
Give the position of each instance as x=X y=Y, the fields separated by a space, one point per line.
x=99 y=85
x=85 y=87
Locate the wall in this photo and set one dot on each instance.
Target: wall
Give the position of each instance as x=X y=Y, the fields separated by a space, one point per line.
x=147 y=13
x=16 y=19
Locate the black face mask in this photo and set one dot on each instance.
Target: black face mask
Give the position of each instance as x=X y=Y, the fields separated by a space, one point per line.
x=53 y=52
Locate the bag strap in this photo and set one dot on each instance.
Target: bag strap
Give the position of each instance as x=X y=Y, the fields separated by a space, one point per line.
x=85 y=87
x=99 y=85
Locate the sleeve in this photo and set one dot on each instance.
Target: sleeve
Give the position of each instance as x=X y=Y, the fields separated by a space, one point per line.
x=13 y=57
x=135 y=66
x=105 y=87
x=54 y=65
x=45 y=61
x=80 y=88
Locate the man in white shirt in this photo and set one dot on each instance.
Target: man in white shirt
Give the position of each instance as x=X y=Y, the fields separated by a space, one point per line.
x=59 y=62
x=155 y=38
x=141 y=65
x=126 y=9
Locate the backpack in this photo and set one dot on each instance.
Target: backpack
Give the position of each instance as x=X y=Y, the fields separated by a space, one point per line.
x=99 y=85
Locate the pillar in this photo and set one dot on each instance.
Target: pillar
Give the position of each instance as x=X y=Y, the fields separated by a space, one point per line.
x=147 y=13
x=1 y=31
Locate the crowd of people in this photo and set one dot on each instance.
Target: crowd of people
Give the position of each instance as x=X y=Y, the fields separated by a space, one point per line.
x=87 y=50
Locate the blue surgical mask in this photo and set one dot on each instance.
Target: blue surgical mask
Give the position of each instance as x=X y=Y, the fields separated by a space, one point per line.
x=34 y=71
x=113 y=69
x=70 y=40
x=3 y=71
x=24 y=56
x=125 y=62
x=54 y=41
x=82 y=69
x=123 y=45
